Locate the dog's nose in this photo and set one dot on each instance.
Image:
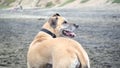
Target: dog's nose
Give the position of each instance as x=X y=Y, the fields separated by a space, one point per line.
x=76 y=25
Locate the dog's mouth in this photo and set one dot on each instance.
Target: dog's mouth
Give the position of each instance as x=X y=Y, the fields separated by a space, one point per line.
x=68 y=33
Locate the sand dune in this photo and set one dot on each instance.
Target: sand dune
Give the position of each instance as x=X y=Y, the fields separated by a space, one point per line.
x=58 y=3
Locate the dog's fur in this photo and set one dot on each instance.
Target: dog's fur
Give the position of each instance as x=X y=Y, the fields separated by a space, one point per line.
x=61 y=52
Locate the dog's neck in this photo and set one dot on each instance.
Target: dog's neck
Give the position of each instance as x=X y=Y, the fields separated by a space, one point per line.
x=48 y=32
x=45 y=33
x=50 y=29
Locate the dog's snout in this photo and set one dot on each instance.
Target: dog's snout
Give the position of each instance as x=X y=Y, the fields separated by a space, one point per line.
x=76 y=25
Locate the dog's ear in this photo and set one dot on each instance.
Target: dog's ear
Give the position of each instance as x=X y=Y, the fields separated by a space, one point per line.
x=53 y=21
x=56 y=14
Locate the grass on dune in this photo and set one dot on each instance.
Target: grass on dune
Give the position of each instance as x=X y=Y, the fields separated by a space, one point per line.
x=83 y=1
x=3 y=6
x=6 y=3
x=49 y=4
x=9 y=1
x=66 y=2
x=116 y=1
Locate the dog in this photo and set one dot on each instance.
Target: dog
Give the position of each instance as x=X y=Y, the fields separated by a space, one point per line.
x=53 y=45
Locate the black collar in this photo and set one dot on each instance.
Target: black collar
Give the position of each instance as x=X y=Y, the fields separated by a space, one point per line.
x=49 y=32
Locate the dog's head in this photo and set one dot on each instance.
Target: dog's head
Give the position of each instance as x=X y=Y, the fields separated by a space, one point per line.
x=60 y=27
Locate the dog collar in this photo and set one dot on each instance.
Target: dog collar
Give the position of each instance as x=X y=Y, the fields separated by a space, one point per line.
x=49 y=32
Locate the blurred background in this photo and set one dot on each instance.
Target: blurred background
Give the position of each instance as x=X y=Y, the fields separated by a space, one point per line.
x=98 y=32
x=57 y=3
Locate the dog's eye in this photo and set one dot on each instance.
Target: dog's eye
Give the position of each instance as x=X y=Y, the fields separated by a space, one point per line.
x=65 y=22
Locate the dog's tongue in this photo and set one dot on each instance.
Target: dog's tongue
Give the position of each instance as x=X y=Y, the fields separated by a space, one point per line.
x=70 y=34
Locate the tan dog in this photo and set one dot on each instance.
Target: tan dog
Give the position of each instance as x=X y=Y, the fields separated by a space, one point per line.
x=48 y=47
